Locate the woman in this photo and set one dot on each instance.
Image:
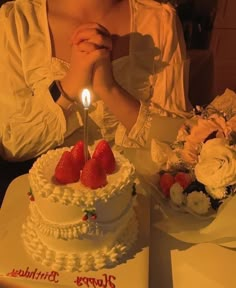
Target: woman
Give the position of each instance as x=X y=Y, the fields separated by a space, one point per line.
x=46 y=40
x=129 y=53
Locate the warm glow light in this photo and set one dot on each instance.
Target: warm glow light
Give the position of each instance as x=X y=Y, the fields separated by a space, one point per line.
x=86 y=98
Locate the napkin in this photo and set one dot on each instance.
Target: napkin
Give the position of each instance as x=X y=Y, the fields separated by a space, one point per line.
x=215 y=270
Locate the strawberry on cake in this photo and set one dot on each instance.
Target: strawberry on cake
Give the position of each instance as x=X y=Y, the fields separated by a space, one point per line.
x=81 y=212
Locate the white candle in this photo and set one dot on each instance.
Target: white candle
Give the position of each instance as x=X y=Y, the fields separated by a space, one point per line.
x=86 y=99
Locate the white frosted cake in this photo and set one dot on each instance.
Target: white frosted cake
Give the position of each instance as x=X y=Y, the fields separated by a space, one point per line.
x=75 y=228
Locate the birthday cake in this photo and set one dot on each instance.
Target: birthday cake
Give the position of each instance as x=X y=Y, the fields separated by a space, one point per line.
x=81 y=213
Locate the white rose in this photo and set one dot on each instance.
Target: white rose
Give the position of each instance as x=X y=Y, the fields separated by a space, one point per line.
x=217 y=164
x=216 y=193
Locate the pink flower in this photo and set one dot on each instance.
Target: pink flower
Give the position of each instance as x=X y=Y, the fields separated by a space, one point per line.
x=190 y=152
x=213 y=127
x=166 y=181
x=232 y=124
x=205 y=127
x=184 y=179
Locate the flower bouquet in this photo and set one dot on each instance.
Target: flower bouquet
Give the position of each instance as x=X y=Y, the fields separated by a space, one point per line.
x=197 y=173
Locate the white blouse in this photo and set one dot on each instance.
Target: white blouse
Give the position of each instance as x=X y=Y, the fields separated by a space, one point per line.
x=155 y=72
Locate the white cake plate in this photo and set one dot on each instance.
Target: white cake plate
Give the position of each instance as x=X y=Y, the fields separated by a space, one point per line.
x=134 y=272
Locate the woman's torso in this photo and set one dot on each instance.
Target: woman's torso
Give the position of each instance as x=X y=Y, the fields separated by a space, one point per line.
x=134 y=55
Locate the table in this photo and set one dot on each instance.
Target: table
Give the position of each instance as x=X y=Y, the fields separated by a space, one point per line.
x=183 y=265
x=173 y=263
x=177 y=264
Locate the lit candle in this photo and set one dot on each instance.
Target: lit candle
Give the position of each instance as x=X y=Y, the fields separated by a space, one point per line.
x=86 y=99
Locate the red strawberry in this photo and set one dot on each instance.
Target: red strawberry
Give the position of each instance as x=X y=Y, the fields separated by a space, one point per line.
x=166 y=181
x=78 y=154
x=94 y=217
x=66 y=170
x=104 y=154
x=184 y=179
x=85 y=217
x=93 y=175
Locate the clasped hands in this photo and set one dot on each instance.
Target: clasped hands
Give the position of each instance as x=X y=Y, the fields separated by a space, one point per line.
x=90 y=63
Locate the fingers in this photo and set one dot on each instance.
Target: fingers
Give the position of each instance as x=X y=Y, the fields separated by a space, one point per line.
x=93 y=33
x=91 y=52
x=90 y=26
x=97 y=39
x=100 y=54
x=88 y=47
x=86 y=54
x=85 y=47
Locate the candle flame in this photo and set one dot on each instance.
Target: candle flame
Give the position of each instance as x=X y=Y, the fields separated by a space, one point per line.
x=86 y=99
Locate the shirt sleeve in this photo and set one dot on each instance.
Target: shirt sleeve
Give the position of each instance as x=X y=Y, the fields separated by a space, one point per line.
x=30 y=121
x=168 y=84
